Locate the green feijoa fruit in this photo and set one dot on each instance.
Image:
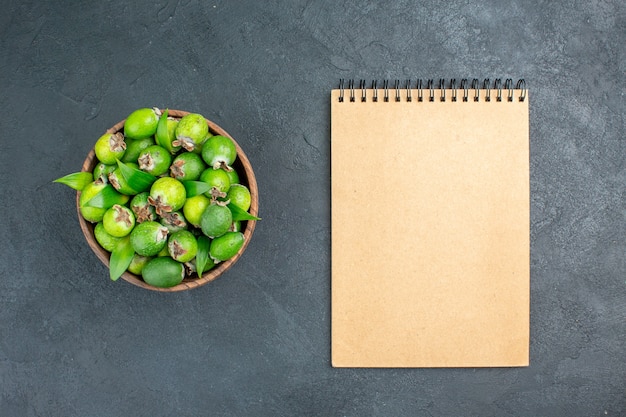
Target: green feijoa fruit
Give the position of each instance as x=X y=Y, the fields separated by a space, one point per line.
x=137 y=264
x=182 y=246
x=92 y=214
x=141 y=123
x=219 y=152
x=233 y=176
x=155 y=160
x=119 y=182
x=104 y=239
x=216 y=220
x=226 y=246
x=118 y=221
x=134 y=147
x=167 y=194
x=93 y=191
x=192 y=129
x=239 y=195
x=143 y=210
x=174 y=221
x=218 y=180
x=148 y=238
x=187 y=167
x=101 y=171
x=163 y=272
x=194 y=207
x=198 y=148
x=109 y=147
x=163 y=252
x=236 y=227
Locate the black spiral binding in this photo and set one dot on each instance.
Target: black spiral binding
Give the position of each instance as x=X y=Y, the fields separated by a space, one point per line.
x=430 y=86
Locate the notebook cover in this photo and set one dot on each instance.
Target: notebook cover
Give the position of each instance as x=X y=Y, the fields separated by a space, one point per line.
x=430 y=232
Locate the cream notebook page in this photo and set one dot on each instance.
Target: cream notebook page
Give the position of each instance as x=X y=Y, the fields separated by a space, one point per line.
x=430 y=230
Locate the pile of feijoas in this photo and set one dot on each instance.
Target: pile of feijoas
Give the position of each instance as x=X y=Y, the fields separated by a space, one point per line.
x=164 y=197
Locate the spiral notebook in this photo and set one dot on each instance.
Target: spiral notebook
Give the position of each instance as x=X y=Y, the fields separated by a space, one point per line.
x=430 y=224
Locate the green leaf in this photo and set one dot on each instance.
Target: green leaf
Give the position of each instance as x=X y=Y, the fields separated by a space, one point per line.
x=202 y=257
x=77 y=180
x=106 y=198
x=194 y=188
x=162 y=135
x=121 y=257
x=239 y=214
x=137 y=179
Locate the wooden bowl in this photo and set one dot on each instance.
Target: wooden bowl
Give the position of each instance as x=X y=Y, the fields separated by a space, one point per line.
x=246 y=177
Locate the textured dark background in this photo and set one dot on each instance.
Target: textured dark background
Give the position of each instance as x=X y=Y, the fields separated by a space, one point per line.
x=256 y=341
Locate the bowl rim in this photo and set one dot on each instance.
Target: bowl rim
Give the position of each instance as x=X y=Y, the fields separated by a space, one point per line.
x=188 y=283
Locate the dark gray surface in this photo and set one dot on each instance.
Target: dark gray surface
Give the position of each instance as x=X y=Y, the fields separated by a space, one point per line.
x=256 y=341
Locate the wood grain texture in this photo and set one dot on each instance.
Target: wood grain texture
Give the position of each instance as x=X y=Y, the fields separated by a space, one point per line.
x=246 y=176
